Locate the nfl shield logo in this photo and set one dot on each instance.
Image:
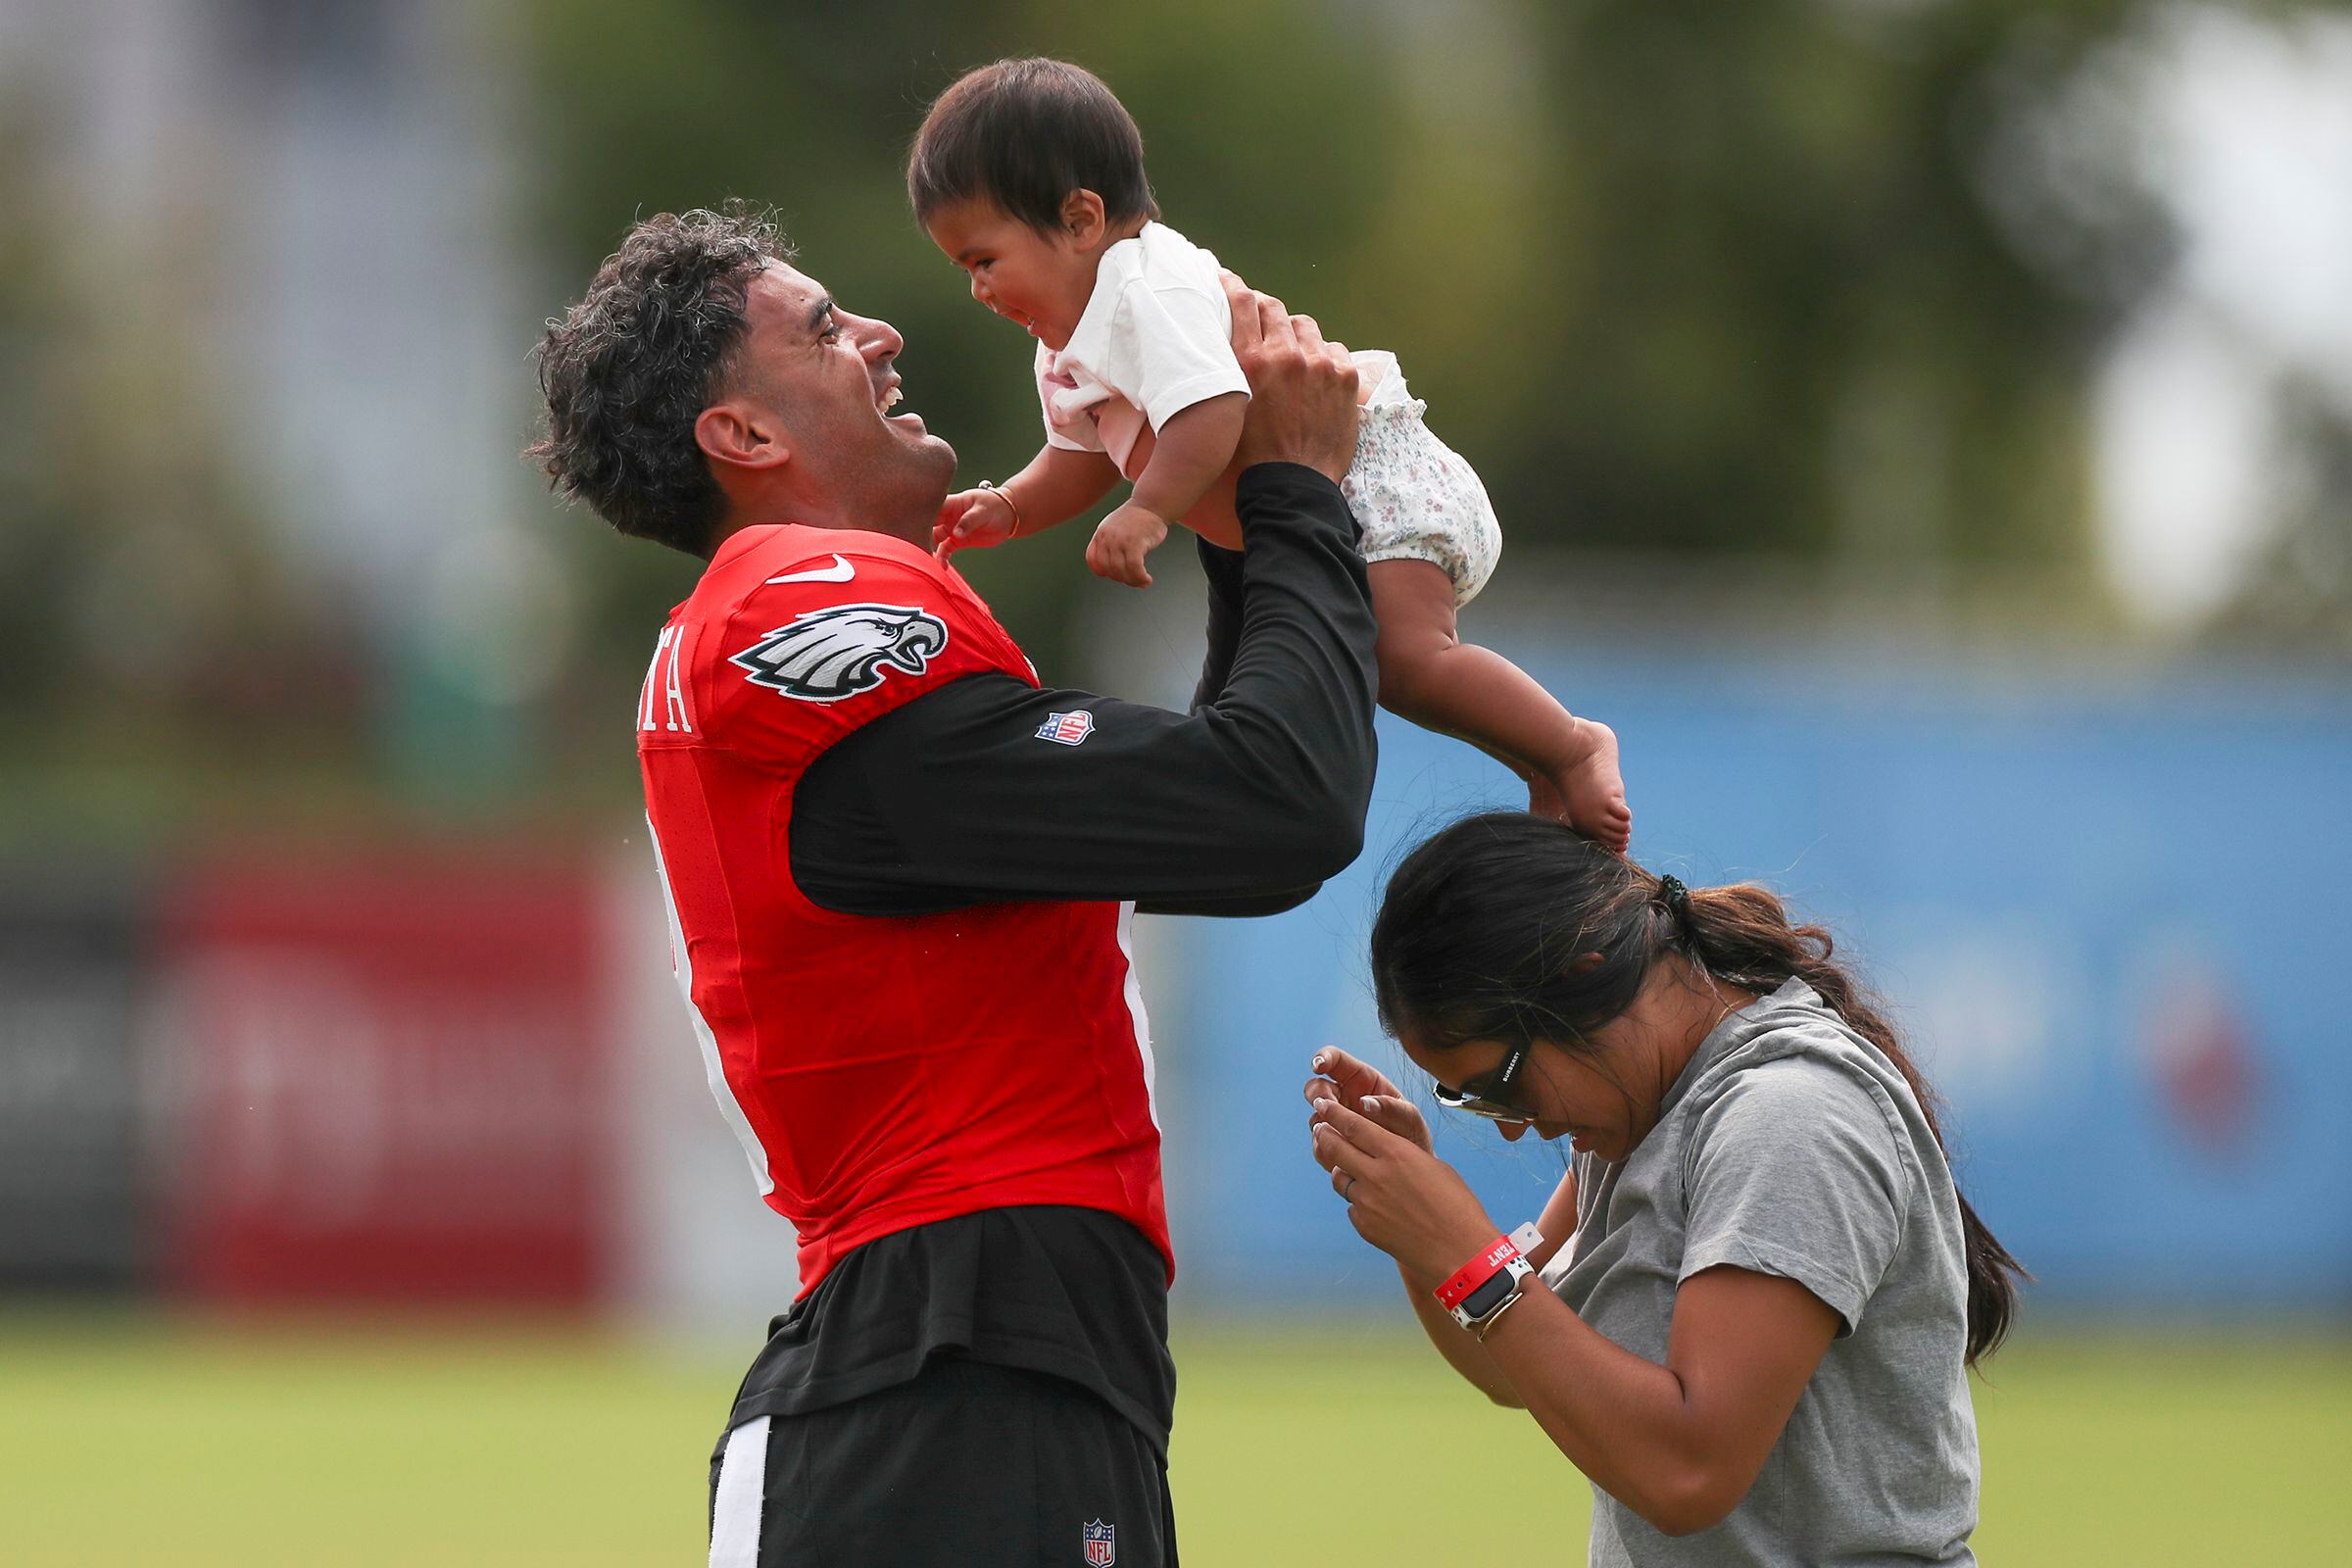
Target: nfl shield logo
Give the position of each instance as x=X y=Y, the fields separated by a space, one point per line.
x=1102 y=1545
x=1066 y=729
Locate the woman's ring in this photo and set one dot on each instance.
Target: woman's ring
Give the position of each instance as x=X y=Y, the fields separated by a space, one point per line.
x=1349 y=1187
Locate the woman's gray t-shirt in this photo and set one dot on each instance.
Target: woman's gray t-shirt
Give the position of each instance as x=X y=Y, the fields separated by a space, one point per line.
x=1790 y=1146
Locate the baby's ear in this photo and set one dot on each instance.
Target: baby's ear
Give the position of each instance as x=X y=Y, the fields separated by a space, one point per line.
x=1081 y=216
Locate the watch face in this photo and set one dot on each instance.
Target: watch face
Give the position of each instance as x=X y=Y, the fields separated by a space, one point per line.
x=1490 y=1294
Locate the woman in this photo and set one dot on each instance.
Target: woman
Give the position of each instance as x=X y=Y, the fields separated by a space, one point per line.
x=1764 y=1288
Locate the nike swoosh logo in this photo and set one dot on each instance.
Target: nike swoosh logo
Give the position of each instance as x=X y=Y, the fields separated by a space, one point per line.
x=840 y=571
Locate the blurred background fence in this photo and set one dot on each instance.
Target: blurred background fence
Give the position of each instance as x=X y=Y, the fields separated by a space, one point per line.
x=1923 y=427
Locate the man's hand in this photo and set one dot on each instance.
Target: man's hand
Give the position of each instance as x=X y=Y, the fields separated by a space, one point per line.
x=1122 y=540
x=1302 y=390
x=971 y=518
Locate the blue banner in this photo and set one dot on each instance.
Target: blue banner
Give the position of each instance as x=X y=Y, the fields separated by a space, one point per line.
x=2106 y=911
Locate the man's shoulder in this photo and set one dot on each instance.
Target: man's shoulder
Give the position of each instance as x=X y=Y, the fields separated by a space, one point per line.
x=784 y=569
x=789 y=554
x=843 y=624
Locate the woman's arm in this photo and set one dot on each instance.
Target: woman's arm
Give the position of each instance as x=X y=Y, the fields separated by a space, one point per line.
x=1461 y=1350
x=1371 y=1091
x=1679 y=1444
x=1465 y=1352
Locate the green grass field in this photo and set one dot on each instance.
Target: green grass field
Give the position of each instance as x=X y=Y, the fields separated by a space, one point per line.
x=172 y=1446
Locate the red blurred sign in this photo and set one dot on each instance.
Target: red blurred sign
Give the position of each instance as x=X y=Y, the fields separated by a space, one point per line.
x=393 y=1079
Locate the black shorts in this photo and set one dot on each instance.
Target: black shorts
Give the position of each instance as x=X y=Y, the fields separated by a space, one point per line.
x=968 y=1464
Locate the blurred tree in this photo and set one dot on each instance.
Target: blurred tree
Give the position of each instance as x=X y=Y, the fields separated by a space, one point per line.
x=160 y=648
x=1786 y=321
x=2297 y=598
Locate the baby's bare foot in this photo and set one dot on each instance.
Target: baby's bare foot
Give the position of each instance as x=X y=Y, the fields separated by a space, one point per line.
x=1593 y=788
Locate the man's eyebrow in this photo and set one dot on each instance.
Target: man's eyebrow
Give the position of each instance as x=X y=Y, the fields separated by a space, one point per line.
x=823 y=309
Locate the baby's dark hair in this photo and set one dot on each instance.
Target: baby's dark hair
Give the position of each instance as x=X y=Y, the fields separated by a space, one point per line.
x=1023 y=134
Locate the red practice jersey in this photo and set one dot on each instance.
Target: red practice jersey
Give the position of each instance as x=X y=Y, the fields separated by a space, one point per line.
x=881 y=1072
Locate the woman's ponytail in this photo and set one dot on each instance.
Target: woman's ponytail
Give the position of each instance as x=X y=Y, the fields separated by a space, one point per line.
x=1742 y=935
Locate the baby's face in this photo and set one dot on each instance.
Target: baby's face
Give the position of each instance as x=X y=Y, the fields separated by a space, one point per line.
x=1039 y=280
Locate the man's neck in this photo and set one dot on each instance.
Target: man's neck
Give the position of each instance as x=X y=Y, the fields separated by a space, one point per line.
x=913 y=530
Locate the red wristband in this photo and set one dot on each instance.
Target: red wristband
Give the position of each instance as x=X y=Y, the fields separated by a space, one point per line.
x=1499 y=1256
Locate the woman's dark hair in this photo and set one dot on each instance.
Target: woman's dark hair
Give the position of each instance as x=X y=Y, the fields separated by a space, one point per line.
x=628 y=370
x=1512 y=928
x=1023 y=134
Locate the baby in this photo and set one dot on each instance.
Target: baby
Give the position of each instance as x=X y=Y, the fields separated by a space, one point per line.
x=1029 y=174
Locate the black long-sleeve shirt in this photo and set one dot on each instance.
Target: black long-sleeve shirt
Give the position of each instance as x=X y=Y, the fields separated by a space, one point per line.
x=1242 y=806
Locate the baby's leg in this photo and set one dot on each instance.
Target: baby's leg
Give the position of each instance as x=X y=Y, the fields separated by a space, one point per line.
x=1430 y=676
x=1213 y=517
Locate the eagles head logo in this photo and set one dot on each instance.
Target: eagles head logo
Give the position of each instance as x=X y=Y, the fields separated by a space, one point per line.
x=827 y=655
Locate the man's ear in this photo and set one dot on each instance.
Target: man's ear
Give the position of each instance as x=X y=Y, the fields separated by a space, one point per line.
x=740 y=436
x=1082 y=217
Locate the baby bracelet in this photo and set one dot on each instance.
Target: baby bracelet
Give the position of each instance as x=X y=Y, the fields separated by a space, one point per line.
x=998 y=490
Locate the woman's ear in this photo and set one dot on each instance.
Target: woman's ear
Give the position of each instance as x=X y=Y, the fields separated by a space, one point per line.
x=1082 y=217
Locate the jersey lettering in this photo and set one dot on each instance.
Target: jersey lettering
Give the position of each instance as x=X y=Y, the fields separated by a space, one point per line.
x=662 y=676
x=666 y=687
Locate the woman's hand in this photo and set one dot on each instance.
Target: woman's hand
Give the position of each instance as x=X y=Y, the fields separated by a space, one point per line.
x=1353 y=1081
x=1401 y=1197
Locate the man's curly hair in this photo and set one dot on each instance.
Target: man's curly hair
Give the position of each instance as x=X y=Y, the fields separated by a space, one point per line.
x=628 y=370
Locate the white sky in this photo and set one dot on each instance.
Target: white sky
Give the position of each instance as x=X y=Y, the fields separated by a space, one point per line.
x=2249 y=142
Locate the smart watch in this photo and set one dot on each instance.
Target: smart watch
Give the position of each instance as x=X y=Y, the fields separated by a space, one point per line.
x=1482 y=1288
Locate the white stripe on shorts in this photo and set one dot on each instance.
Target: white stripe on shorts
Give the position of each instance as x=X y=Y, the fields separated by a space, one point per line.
x=735 y=1508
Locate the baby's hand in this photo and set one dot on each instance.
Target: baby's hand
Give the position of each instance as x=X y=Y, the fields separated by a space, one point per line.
x=1121 y=542
x=971 y=518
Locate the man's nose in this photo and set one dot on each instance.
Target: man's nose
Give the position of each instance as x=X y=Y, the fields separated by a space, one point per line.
x=878 y=339
x=1512 y=1131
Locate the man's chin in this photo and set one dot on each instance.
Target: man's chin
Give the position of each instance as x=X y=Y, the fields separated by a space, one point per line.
x=936 y=448
x=909 y=428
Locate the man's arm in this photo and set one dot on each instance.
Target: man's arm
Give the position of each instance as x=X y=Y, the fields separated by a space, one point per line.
x=1242 y=806
x=1223 y=570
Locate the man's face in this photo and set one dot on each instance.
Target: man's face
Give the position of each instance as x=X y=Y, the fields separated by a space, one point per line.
x=828 y=382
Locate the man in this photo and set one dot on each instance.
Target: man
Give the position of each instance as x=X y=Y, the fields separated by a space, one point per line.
x=901 y=876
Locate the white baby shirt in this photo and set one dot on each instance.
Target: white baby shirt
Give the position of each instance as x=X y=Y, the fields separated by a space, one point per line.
x=1155 y=338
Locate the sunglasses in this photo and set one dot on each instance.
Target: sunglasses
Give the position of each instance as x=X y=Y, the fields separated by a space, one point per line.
x=1492 y=1094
